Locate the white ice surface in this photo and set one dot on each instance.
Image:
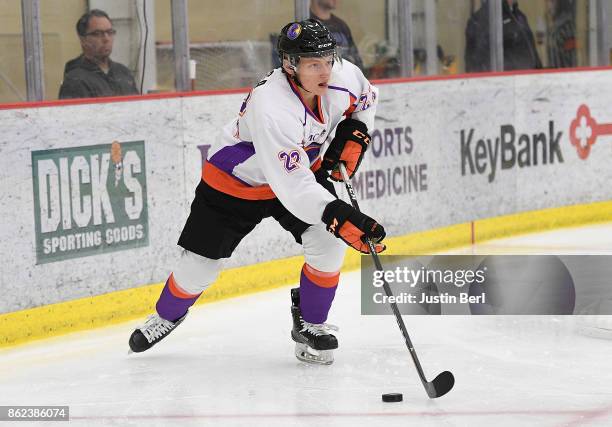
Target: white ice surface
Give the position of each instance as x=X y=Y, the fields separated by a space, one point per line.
x=231 y=364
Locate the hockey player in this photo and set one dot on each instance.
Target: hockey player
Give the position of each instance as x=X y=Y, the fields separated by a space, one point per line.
x=268 y=163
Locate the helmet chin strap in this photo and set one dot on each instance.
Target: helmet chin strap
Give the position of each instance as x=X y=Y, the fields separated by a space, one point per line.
x=295 y=78
x=297 y=82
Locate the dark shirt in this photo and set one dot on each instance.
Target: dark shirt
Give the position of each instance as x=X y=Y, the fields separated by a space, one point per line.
x=84 y=79
x=341 y=32
x=562 y=41
x=519 y=44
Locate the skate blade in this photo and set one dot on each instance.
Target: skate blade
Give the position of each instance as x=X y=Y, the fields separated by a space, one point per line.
x=308 y=354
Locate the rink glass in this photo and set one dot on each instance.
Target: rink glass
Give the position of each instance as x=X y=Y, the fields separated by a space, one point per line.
x=12 y=68
x=233 y=42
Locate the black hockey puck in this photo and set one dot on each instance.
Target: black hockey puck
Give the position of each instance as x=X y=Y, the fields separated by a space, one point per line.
x=392 y=397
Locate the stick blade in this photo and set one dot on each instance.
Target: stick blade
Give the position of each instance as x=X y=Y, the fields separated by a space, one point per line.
x=440 y=385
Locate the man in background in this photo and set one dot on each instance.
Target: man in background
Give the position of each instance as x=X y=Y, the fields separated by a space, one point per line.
x=561 y=37
x=321 y=10
x=519 y=44
x=93 y=74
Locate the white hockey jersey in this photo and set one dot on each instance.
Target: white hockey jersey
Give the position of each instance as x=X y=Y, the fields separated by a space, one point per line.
x=274 y=145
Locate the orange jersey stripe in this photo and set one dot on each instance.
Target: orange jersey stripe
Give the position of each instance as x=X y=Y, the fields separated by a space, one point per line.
x=351 y=107
x=321 y=278
x=223 y=182
x=316 y=165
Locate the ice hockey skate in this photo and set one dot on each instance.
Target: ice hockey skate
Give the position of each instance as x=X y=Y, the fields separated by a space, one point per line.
x=313 y=342
x=153 y=331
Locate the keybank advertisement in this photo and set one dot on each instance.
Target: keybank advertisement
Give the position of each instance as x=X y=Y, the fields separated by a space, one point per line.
x=89 y=200
x=490 y=156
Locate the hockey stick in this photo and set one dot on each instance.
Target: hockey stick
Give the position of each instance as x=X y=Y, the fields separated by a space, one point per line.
x=444 y=382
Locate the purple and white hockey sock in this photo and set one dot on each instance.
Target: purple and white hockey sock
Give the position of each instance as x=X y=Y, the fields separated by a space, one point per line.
x=317 y=291
x=174 y=302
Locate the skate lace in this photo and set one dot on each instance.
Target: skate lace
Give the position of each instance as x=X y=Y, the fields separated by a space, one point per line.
x=155 y=327
x=318 y=329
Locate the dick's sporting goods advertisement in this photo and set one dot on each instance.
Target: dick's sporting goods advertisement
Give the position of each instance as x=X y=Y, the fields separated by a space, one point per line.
x=89 y=200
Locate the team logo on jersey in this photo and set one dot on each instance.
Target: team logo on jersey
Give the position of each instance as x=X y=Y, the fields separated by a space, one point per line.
x=366 y=100
x=294 y=31
x=315 y=137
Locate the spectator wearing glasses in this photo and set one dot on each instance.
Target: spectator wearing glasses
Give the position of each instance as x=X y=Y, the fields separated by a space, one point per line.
x=93 y=74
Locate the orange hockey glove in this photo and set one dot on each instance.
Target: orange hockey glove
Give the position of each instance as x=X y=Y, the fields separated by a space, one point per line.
x=353 y=227
x=348 y=146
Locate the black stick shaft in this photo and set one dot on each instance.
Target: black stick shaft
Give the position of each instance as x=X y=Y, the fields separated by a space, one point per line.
x=386 y=287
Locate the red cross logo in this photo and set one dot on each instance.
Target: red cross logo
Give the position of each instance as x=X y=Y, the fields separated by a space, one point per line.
x=584 y=131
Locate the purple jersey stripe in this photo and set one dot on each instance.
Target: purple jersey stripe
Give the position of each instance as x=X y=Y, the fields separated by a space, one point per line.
x=313 y=152
x=229 y=157
x=343 y=89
